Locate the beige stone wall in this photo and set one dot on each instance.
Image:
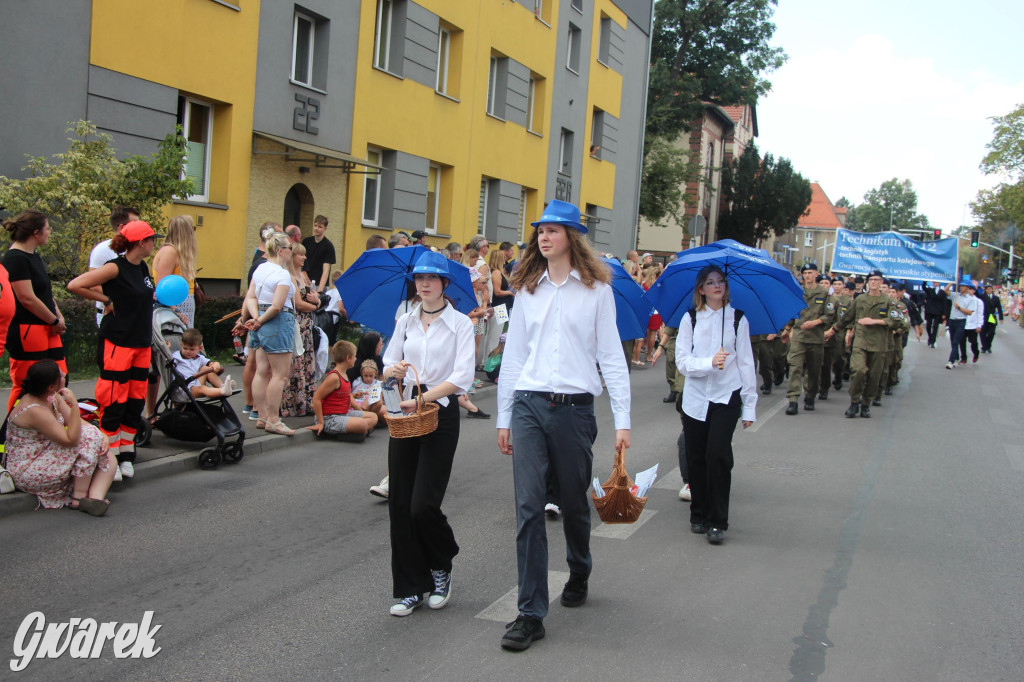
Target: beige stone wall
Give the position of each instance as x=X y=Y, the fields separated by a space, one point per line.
x=326 y=193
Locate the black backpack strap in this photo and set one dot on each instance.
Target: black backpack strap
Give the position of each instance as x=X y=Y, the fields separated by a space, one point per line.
x=737 y=316
x=692 y=312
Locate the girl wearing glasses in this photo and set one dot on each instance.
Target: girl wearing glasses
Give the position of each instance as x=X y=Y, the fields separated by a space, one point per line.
x=713 y=352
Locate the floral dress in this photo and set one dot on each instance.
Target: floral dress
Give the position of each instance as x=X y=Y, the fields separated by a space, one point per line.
x=44 y=468
x=297 y=397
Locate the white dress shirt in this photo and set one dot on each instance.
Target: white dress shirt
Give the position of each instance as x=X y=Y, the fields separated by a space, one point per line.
x=705 y=383
x=445 y=352
x=556 y=337
x=977 y=318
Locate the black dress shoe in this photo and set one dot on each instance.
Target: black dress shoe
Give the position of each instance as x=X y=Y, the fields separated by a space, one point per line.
x=791 y=408
x=575 y=591
x=865 y=411
x=838 y=384
x=853 y=410
x=766 y=389
x=479 y=414
x=670 y=398
x=698 y=528
x=809 y=404
x=888 y=390
x=823 y=396
x=876 y=402
x=779 y=379
x=716 y=536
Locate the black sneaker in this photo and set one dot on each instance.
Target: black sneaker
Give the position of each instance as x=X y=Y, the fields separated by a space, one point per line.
x=479 y=414
x=808 y=404
x=865 y=411
x=888 y=390
x=853 y=410
x=716 y=536
x=575 y=591
x=698 y=529
x=876 y=402
x=823 y=396
x=442 y=589
x=522 y=632
x=670 y=398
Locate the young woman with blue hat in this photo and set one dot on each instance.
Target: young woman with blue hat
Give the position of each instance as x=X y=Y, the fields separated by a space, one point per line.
x=437 y=340
x=561 y=328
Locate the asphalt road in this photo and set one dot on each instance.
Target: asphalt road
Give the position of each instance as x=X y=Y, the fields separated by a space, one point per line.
x=881 y=549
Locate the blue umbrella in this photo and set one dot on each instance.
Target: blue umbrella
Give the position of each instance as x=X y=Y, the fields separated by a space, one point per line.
x=766 y=292
x=375 y=285
x=632 y=311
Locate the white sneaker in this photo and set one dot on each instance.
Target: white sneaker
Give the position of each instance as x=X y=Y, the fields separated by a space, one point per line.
x=118 y=477
x=684 y=493
x=442 y=589
x=407 y=606
x=552 y=510
x=381 y=490
x=950 y=365
x=127 y=470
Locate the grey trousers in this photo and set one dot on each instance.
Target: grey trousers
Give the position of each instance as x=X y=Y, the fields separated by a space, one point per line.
x=550 y=442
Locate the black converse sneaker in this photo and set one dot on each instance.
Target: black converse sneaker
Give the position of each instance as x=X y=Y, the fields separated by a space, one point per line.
x=442 y=589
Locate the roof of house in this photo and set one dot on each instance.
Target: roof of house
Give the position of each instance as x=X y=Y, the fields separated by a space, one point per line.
x=736 y=113
x=821 y=212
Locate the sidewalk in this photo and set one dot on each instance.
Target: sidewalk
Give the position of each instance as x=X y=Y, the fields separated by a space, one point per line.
x=165 y=456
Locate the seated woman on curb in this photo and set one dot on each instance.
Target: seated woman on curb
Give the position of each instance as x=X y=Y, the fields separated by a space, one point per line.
x=50 y=452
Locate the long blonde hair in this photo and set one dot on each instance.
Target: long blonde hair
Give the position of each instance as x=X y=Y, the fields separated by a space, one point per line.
x=181 y=234
x=293 y=269
x=496 y=260
x=582 y=257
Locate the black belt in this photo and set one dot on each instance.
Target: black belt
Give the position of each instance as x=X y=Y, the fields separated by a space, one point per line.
x=564 y=398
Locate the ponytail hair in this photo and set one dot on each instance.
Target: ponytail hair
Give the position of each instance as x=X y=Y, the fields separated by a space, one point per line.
x=25 y=224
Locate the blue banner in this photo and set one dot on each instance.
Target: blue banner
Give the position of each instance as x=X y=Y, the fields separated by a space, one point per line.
x=896 y=255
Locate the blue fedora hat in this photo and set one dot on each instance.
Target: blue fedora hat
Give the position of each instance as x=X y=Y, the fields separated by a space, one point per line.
x=561 y=213
x=965 y=281
x=430 y=263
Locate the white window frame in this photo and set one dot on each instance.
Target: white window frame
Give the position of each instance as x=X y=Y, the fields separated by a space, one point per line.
x=492 y=84
x=808 y=238
x=444 y=51
x=432 y=228
x=186 y=123
x=295 y=48
x=575 y=38
x=531 y=102
x=376 y=179
x=577 y=5
x=383 y=30
x=565 y=165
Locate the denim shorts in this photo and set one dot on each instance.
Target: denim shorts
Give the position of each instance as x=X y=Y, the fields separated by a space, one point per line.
x=277 y=335
x=338 y=423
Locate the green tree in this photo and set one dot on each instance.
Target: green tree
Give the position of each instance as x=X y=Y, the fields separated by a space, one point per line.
x=762 y=197
x=999 y=212
x=893 y=203
x=701 y=51
x=78 y=189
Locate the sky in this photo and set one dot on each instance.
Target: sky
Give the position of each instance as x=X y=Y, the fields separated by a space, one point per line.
x=876 y=89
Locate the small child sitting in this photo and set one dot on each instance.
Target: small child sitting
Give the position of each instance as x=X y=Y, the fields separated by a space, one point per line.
x=333 y=399
x=364 y=385
x=189 y=361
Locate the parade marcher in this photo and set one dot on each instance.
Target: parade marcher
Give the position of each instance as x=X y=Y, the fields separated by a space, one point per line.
x=962 y=306
x=764 y=360
x=867 y=325
x=562 y=327
x=934 y=311
x=830 y=348
x=34 y=333
x=993 y=315
x=437 y=340
x=972 y=328
x=713 y=352
x=805 y=335
x=841 y=363
x=667 y=346
x=126 y=334
x=899 y=341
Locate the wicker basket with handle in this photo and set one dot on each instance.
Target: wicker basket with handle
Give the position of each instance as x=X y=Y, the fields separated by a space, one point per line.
x=418 y=423
x=619 y=504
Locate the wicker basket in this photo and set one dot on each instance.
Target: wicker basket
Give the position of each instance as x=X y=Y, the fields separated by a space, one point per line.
x=419 y=423
x=619 y=504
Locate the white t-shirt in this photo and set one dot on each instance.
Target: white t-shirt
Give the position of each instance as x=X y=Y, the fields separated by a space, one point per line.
x=333 y=298
x=977 y=318
x=358 y=385
x=267 y=277
x=188 y=367
x=101 y=254
x=968 y=302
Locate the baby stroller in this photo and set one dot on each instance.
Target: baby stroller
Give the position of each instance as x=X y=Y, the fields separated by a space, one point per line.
x=181 y=416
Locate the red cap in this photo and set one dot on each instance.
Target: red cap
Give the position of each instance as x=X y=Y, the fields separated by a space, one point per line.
x=137 y=230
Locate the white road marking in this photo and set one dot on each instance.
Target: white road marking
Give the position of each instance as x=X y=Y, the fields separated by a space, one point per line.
x=505 y=609
x=670 y=481
x=767 y=414
x=621 y=531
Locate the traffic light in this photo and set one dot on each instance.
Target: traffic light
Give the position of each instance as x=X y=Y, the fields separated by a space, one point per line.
x=937 y=235
x=975 y=239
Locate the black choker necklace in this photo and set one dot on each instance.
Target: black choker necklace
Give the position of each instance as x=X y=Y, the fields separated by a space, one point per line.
x=432 y=312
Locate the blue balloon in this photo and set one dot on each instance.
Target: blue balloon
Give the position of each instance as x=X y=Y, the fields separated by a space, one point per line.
x=172 y=290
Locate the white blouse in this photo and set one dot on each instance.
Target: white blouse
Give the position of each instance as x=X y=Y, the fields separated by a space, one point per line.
x=444 y=352
x=696 y=346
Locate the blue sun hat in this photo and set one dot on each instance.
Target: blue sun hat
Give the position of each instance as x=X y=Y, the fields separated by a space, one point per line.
x=965 y=281
x=561 y=213
x=430 y=263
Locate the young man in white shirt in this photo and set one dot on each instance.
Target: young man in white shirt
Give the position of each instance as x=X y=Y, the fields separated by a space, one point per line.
x=562 y=327
x=963 y=305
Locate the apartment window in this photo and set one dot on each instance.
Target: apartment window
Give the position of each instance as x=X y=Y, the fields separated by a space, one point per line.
x=711 y=160
x=597 y=133
x=604 y=40
x=808 y=238
x=565 y=152
x=492 y=85
x=433 y=192
x=371 y=190
x=572 y=60
x=497 y=86
x=485 y=184
x=309 y=50
x=196 y=121
x=522 y=216
x=382 y=37
x=578 y=5
x=531 y=100
x=444 y=50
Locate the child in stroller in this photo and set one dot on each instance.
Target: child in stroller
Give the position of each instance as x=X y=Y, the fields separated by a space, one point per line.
x=189 y=361
x=187 y=410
